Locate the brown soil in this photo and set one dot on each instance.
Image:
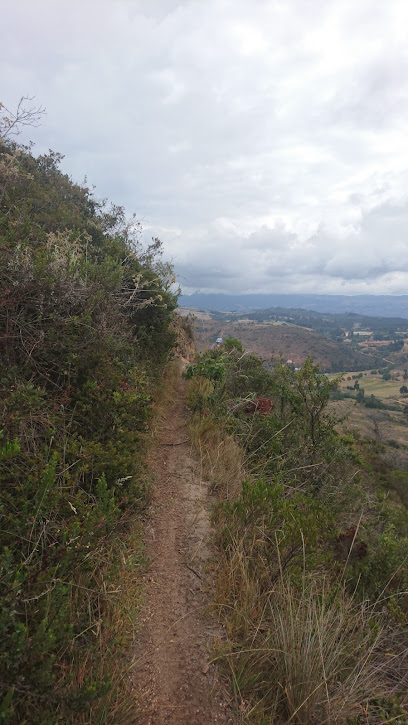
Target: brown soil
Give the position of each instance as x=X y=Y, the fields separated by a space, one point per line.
x=174 y=679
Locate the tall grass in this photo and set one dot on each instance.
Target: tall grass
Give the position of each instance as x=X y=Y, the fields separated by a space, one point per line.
x=301 y=647
x=113 y=618
x=222 y=460
x=310 y=655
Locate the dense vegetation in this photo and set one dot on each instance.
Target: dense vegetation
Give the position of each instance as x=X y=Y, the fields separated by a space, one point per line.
x=312 y=573
x=85 y=319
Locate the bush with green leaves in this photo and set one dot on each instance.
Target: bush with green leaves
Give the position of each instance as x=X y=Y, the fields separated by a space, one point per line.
x=210 y=365
x=312 y=555
x=85 y=324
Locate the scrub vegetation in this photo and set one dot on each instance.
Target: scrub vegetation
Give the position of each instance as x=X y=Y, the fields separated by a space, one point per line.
x=311 y=574
x=85 y=328
x=312 y=553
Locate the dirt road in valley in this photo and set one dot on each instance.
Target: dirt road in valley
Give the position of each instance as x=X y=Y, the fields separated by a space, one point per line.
x=175 y=684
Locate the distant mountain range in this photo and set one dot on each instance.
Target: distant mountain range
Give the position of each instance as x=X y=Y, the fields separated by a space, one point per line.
x=376 y=305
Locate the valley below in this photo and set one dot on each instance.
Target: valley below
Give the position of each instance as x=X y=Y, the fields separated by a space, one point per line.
x=369 y=404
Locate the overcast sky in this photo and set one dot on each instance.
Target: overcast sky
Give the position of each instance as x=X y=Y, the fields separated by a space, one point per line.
x=264 y=141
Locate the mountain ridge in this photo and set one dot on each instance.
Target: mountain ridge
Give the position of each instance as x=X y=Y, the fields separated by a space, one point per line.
x=376 y=305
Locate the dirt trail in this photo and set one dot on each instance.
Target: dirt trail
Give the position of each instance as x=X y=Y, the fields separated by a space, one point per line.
x=174 y=682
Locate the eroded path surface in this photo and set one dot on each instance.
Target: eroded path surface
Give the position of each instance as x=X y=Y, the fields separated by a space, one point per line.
x=174 y=682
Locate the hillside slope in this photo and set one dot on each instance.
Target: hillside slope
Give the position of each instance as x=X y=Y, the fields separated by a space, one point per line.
x=85 y=330
x=311 y=576
x=292 y=342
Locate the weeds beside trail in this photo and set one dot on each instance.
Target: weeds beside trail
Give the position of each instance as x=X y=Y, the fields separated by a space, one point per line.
x=312 y=575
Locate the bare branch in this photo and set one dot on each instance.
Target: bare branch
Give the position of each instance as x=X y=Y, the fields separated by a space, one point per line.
x=13 y=122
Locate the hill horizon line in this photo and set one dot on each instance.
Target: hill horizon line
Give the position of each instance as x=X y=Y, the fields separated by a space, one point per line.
x=367 y=304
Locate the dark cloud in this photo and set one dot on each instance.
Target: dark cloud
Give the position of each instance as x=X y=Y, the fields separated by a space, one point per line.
x=274 y=259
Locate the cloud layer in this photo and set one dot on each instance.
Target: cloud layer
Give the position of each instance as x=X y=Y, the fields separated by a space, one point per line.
x=265 y=142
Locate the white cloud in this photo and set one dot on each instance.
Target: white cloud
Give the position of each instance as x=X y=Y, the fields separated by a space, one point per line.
x=266 y=142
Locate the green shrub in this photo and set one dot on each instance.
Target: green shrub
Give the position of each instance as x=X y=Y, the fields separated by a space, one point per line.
x=311 y=564
x=85 y=317
x=210 y=365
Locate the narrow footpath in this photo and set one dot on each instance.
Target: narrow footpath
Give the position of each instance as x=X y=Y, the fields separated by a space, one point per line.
x=174 y=681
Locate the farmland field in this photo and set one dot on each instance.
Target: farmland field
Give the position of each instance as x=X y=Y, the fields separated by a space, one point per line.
x=375 y=385
x=388 y=428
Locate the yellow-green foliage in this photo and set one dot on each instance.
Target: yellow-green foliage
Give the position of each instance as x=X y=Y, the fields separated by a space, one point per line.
x=198 y=392
x=311 y=564
x=85 y=319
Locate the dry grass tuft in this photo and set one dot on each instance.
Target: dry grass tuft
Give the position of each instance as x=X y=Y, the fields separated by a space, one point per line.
x=303 y=650
x=310 y=656
x=113 y=617
x=222 y=459
x=300 y=648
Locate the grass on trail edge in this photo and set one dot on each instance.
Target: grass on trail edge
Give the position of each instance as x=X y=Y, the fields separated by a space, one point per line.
x=301 y=646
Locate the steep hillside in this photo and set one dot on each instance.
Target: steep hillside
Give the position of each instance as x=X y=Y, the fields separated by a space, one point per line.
x=85 y=317
x=311 y=576
x=291 y=341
